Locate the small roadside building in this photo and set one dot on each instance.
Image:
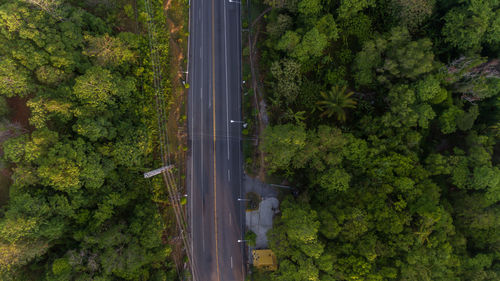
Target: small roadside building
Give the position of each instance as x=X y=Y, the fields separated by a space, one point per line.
x=264 y=259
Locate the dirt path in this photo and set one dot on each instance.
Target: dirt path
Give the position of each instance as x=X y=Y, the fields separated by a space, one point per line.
x=176 y=124
x=17 y=124
x=20 y=112
x=176 y=53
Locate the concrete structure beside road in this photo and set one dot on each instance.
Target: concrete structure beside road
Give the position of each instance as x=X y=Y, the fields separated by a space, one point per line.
x=264 y=259
x=261 y=221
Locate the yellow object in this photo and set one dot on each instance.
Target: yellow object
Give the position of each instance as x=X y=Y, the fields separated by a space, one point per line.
x=264 y=259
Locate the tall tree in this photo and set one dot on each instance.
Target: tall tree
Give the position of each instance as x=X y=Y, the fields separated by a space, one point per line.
x=335 y=102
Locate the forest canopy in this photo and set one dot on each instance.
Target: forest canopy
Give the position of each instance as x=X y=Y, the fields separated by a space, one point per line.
x=79 y=208
x=385 y=117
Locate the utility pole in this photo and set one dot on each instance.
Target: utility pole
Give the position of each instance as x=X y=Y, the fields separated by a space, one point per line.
x=157 y=171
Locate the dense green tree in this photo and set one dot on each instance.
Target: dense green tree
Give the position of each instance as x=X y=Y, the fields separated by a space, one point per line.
x=13 y=79
x=108 y=50
x=289 y=80
x=49 y=6
x=430 y=90
x=78 y=209
x=289 y=139
x=95 y=128
x=408 y=188
x=312 y=45
x=448 y=119
x=471 y=24
x=98 y=87
x=14 y=149
x=4 y=108
x=405 y=111
x=412 y=14
x=309 y=7
x=288 y=41
x=43 y=110
x=349 y=8
x=282 y=24
x=326 y=25
x=393 y=57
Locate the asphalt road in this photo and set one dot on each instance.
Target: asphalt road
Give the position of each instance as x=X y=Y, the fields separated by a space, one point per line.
x=215 y=160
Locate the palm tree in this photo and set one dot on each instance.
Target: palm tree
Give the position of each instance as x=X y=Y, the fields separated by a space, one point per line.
x=299 y=116
x=335 y=101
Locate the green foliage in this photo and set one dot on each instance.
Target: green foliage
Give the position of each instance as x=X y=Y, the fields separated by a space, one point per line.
x=78 y=208
x=253 y=202
x=97 y=88
x=326 y=25
x=393 y=57
x=312 y=45
x=14 y=149
x=14 y=79
x=429 y=90
x=251 y=237
x=471 y=24
x=335 y=180
x=282 y=143
x=448 y=119
x=405 y=111
x=309 y=7
x=108 y=50
x=407 y=187
x=412 y=14
x=61 y=267
x=277 y=29
x=288 y=42
x=4 y=107
x=288 y=76
x=349 y=8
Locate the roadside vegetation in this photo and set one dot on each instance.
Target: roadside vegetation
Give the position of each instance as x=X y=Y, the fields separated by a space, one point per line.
x=384 y=115
x=79 y=208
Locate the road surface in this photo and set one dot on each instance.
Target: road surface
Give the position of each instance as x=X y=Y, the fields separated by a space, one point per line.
x=215 y=160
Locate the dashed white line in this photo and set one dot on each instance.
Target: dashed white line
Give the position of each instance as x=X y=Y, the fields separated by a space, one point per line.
x=231 y=261
x=228 y=175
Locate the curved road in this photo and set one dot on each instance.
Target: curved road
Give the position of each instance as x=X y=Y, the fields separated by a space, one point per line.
x=215 y=160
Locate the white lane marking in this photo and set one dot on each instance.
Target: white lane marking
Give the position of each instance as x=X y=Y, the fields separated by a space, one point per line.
x=230 y=220
x=231 y=261
x=201 y=93
x=227 y=96
x=200 y=52
x=203 y=239
x=228 y=175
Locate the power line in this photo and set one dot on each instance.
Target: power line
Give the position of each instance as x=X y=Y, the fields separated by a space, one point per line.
x=161 y=107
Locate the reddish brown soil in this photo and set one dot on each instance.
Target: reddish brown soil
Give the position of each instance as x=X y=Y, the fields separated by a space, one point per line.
x=20 y=113
x=176 y=124
x=6 y=172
